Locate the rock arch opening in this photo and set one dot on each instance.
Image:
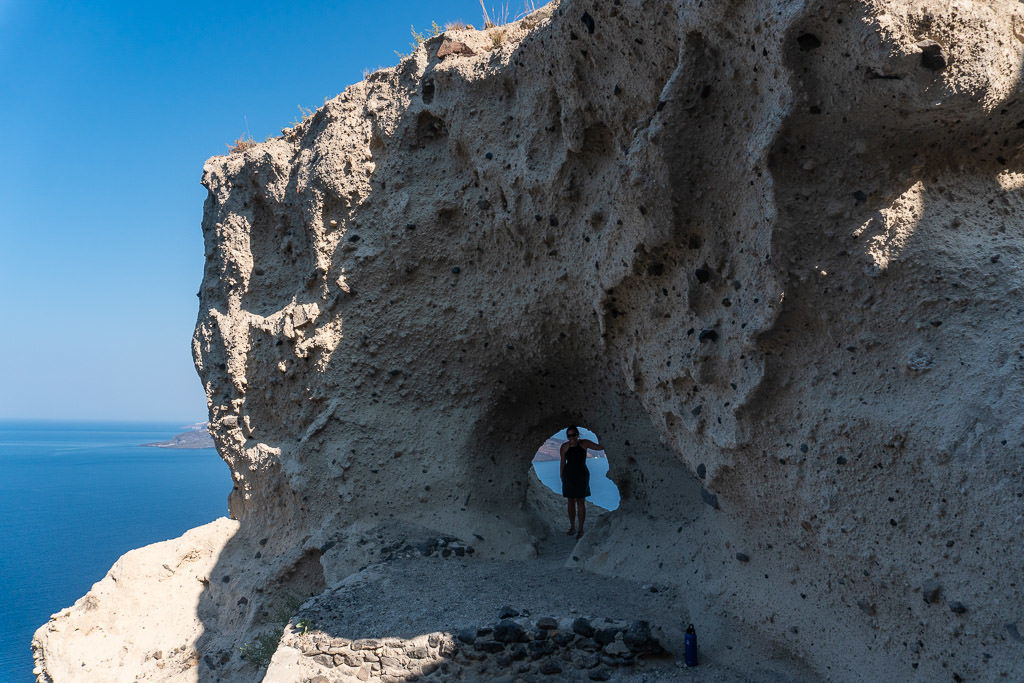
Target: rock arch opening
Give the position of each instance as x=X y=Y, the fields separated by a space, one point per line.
x=545 y=464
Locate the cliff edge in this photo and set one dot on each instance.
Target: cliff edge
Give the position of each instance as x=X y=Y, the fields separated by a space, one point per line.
x=769 y=251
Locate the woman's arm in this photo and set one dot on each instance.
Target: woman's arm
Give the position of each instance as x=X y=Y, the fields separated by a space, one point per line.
x=588 y=444
x=561 y=460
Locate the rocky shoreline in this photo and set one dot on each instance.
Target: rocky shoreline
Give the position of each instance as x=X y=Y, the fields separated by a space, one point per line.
x=198 y=436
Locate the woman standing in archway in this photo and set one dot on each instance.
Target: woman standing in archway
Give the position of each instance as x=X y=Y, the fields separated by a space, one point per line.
x=576 y=477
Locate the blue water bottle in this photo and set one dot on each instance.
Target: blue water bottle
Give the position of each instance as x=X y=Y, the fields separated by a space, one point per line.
x=690 y=639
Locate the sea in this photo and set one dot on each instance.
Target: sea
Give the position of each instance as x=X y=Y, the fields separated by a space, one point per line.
x=603 y=491
x=76 y=496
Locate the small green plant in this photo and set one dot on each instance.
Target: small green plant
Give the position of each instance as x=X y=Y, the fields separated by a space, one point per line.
x=261 y=650
x=420 y=38
x=242 y=143
x=303 y=626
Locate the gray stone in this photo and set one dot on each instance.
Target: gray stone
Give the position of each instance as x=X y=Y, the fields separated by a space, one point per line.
x=582 y=627
x=467 y=635
x=605 y=635
x=866 y=607
x=709 y=498
x=507 y=612
x=325 y=660
x=601 y=674
x=491 y=646
x=562 y=638
x=639 y=639
x=509 y=631
x=365 y=644
x=550 y=667
x=547 y=623
x=957 y=607
x=540 y=648
x=448 y=648
x=931 y=591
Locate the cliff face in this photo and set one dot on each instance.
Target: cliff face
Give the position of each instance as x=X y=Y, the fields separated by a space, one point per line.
x=768 y=251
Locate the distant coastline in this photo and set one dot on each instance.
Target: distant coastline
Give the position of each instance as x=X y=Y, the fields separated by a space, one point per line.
x=549 y=451
x=197 y=436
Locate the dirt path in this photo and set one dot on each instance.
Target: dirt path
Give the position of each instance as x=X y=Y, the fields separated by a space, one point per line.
x=403 y=600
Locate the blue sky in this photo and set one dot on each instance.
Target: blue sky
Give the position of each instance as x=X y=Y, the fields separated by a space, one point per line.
x=109 y=110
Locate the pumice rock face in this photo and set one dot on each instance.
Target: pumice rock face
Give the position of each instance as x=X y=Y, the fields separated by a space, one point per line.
x=769 y=251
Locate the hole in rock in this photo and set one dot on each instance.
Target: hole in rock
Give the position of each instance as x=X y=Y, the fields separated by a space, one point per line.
x=603 y=491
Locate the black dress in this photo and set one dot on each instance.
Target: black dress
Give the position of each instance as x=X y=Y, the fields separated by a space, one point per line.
x=576 y=477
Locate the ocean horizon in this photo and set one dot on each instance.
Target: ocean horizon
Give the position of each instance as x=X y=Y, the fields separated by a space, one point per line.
x=77 y=495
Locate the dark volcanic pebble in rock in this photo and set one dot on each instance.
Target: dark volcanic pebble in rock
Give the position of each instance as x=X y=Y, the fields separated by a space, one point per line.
x=605 y=635
x=932 y=56
x=743 y=557
x=708 y=335
x=957 y=607
x=1011 y=629
x=507 y=612
x=582 y=627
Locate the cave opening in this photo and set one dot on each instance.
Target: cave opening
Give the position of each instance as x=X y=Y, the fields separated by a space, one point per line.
x=603 y=491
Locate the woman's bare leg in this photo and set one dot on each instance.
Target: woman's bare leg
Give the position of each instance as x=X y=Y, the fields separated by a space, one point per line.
x=581 y=512
x=572 y=516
